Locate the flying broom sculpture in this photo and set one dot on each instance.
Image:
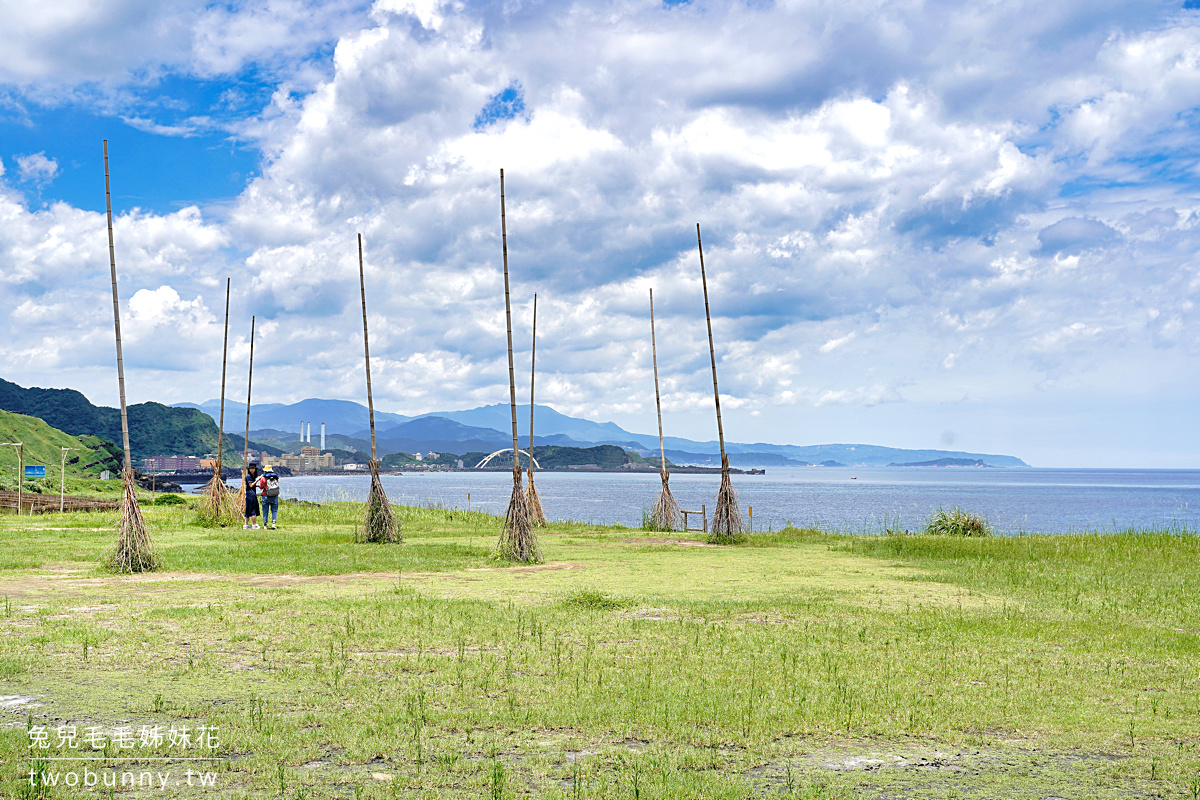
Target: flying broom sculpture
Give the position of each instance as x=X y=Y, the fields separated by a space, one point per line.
x=218 y=504
x=380 y=523
x=517 y=542
x=241 y=495
x=536 y=515
x=665 y=516
x=727 y=526
x=134 y=551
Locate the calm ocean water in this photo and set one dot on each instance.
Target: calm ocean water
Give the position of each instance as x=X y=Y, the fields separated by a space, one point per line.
x=853 y=500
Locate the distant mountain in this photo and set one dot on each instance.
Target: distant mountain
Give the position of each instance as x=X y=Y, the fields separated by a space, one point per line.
x=488 y=428
x=339 y=416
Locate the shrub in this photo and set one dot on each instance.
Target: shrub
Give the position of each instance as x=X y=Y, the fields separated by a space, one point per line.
x=170 y=500
x=957 y=522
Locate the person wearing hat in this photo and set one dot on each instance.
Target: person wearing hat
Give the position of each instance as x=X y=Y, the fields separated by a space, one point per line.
x=251 y=497
x=268 y=487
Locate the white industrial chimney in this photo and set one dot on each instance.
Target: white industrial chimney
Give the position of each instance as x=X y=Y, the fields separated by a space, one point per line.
x=308 y=436
x=322 y=437
x=301 y=431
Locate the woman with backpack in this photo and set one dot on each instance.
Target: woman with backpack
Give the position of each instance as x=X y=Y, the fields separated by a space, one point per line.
x=268 y=486
x=251 y=511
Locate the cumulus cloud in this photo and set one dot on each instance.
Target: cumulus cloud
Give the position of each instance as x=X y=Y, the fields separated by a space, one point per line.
x=36 y=168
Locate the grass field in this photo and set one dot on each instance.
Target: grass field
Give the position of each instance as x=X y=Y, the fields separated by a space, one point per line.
x=628 y=665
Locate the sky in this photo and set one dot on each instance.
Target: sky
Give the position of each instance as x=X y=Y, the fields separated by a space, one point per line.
x=962 y=225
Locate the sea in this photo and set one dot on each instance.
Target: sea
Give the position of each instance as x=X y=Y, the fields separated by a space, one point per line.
x=861 y=500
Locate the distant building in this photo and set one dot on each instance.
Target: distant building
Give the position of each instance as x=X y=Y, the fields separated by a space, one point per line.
x=310 y=459
x=172 y=464
x=431 y=455
x=417 y=455
x=351 y=467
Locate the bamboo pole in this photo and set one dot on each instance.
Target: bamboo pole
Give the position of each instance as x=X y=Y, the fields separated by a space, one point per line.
x=666 y=515
x=112 y=263
x=249 y=392
x=512 y=381
x=517 y=540
x=134 y=551
x=532 y=377
x=224 y=362
x=362 y=287
x=536 y=514
x=379 y=524
x=662 y=449
x=727 y=526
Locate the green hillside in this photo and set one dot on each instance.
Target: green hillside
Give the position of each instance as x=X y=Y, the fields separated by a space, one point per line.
x=154 y=429
x=42 y=446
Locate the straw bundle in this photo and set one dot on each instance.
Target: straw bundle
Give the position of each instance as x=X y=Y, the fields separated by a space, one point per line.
x=727 y=526
x=134 y=551
x=517 y=542
x=665 y=516
x=217 y=504
x=536 y=515
x=380 y=523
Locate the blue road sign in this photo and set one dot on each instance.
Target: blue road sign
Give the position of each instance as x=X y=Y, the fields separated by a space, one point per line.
x=35 y=472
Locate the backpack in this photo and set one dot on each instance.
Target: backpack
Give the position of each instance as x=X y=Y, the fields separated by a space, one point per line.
x=272 y=489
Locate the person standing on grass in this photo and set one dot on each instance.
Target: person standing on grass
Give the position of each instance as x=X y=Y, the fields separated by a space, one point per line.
x=268 y=486
x=251 y=497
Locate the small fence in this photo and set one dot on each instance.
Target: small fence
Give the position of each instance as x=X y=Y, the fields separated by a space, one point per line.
x=43 y=503
x=703 y=519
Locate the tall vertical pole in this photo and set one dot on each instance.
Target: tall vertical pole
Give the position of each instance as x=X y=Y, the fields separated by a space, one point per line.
x=20 y=475
x=657 y=401
x=512 y=381
x=362 y=287
x=249 y=388
x=532 y=375
x=62 y=487
x=112 y=263
x=712 y=353
x=224 y=361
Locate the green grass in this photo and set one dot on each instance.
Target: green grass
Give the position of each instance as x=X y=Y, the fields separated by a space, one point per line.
x=807 y=665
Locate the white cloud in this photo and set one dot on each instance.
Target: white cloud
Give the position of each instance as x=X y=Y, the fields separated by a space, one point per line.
x=36 y=168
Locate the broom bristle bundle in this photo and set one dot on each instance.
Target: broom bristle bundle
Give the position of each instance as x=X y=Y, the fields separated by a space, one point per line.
x=380 y=524
x=134 y=551
x=727 y=525
x=517 y=540
x=217 y=504
x=536 y=515
x=666 y=516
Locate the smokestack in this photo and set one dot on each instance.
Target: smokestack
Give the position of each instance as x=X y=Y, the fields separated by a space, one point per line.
x=322 y=437
x=301 y=431
x=308 y=435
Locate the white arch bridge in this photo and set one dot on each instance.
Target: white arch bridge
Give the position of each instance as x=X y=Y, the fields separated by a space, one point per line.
x=488 y=459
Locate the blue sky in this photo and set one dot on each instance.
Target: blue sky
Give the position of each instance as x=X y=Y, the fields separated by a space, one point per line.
x=937 y=224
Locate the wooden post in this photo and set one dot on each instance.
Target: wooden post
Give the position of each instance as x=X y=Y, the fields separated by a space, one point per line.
x=249 y=388
x=512 y=381
x=712 y=353
x=112 y=263
x=20 y=475
x=362 y=286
